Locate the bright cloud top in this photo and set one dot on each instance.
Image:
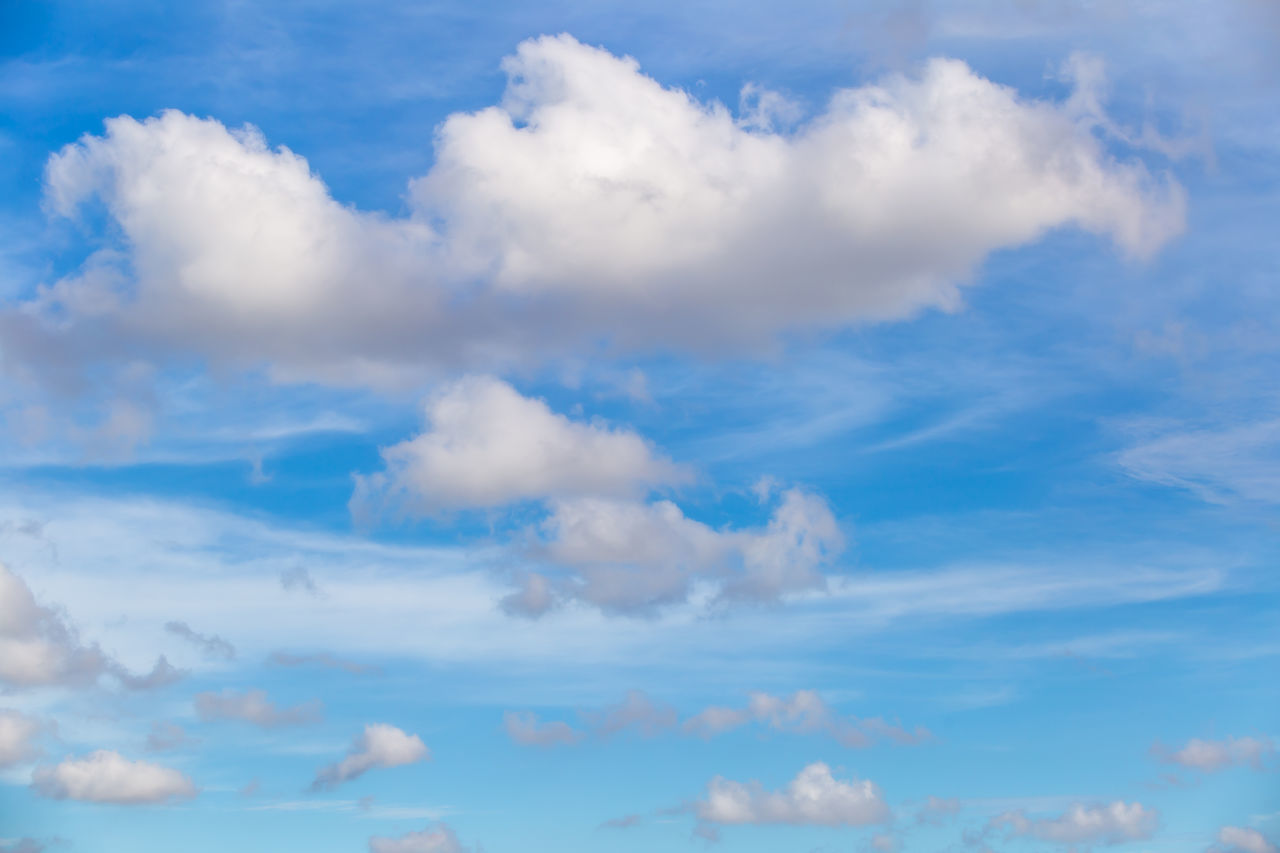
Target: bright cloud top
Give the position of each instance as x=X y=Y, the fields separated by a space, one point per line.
x=813 y=797
x=380 y=745
x=486 y=445
x=593 y=200
x=108 y=777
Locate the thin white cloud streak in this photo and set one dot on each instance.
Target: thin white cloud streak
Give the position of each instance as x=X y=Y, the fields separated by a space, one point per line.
x=108 y=777
x=1219 y=465
x=647 y=214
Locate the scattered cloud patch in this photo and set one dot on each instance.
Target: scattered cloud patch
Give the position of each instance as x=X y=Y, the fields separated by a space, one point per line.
x=253 y=706
x=435 y=839
x=814 y=797
x=1209 y=756
x=379 y=746
x=1239 y=839
x=298 y=578
x=18 y=734
x=107 y=777
x=1113 y=823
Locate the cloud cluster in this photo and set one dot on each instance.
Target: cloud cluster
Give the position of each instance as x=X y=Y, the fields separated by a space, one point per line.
x=253 y=706
x=1210 y=755
x=488 y=446
x=380 y=745
x=107 y=777
x=591 y=203
x=1112 y=823
x=39 y=647
x=435 y=839
x=813 y=797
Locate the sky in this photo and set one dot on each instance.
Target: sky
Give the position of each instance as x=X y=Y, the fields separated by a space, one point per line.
x=439 y=427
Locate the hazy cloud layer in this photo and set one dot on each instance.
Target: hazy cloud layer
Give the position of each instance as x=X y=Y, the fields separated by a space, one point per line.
x=210 y=645
x=1210 y=755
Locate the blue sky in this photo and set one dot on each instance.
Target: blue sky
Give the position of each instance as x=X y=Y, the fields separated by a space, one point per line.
x=579 y=427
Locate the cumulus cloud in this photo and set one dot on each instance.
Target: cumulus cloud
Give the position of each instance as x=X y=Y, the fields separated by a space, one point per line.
x=486 y=445
x=804 y=712
x=39 y=647
x=632 y=557
x=108 y=777
x=815 y=796
x=210 y=645
x=592 y=199
x=434 y=839
x=18 y=734
x=253 y=706
x=380 y=745
x=1238 y=839
x=1211 y=755
x=1113 y=823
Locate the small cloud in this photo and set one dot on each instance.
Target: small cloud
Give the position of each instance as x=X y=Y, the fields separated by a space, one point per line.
x=300 y=579
x=380 y=745
x=107 y=777
x=210 y=645
x=252 y=706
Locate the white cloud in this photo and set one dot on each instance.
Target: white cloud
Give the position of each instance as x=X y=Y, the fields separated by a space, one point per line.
x=1238 y=839
x=108 y=777
x=252 y=706
x=526 y=729
x=632 y=557
x=38 y=646
x=1217 y=464
x=18 y=733
x=813 y=797
x=590 y=204
x=486 y=445
x=435 y=839
x=380 y=745
x=1211 y=755
x=1113 y=823
x=804 y=712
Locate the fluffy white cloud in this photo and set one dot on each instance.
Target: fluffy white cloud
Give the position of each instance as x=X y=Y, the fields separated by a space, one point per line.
x=804 y=712
x=1211 y=755
x=108 y=777
x=486 y=445
x=435 y=839
x=253 y=706
x=1113 y=823
x=632 y=557
x=591 y=203
x=17 y=737
x=813 y=797
x=1239 y=839
x=380 y=745
x=38 y=646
